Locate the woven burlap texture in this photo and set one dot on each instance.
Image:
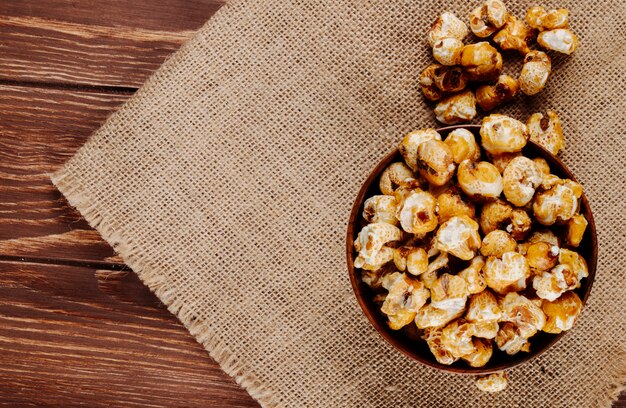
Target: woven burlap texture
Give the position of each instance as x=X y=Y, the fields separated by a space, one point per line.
x=227 y=181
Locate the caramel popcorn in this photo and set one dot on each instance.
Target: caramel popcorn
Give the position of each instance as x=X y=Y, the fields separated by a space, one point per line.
x=404 y=298
x=463 y=145
x=520 y=179
x=488 y=18
x=459 y=237
x=460 y=275
x=417 y=213
x=481 y=61
x=479 y=180
x=435 y=163
x=560 y=40
x=493 y=382
x=507 y=274
x=503 y=134
x=457 y=108
x=490 y=96
x=447 y=51
x=411 y=142
x=451 y=203
x=447 y=25
x=481 y=354
x=535 y=71
x=545 y=130
x=497 y=243
x=561 y=314
x=396 y=175
x=515 y=35
x=381 y=208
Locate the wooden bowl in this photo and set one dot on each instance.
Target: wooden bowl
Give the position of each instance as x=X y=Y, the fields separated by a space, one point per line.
x=407 y=339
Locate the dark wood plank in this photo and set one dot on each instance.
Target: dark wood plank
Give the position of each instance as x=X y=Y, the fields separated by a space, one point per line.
x=39 y=130
x=77 y=336
x=105 y=43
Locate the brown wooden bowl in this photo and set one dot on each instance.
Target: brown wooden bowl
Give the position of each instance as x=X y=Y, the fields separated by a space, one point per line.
x=407 y=339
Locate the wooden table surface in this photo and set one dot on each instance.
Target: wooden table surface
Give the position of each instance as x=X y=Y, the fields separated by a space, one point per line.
x=76 y=326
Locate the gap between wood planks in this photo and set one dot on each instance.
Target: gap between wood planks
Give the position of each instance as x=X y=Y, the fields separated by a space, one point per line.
x=59 y=86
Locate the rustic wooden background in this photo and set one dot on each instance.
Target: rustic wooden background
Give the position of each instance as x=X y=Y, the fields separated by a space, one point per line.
x=76 y=326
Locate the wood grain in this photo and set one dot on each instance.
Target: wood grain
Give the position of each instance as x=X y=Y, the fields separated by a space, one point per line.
x=111 y=343
x=40 y=129
x=113 y=43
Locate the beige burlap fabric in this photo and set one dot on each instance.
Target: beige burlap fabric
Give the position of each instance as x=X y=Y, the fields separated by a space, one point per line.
x=227 y=181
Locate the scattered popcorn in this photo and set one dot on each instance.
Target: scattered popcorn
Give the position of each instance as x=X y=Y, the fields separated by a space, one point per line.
x=493 y=382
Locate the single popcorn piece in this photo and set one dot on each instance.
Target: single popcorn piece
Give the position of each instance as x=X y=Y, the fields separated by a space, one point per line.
x=433 y=339
x=396 y=175
x=474 y=276
x=542 y=256
x=481 y=354
x=414 y=260
x=525 y=314
x=545 y=130
x=479 y=180
x=545 y=235
x=447 y=51
x=406 y=296
x=447 y=25
x=576 y=262
x=430 y=316
x=410 y=143
x=503 y=134
x=481 y=61
x=500 y=215
x=562 y=313
x=450 y=79
x=459 y=237
x=515 y=35
x=377 y=261
x=576 y=227
x=535 y=72
x=489 y=97
x=372 y=238
x=493 y=382
x=486 y=330
x=483 y=307
x=449 y=292
x=502 y=160
x=417 y=213
x=496 y=243
x=457 y=108
x=540 y=162
x=551 y=285
x=520 y=179
x=488 y=18
x=537 y=17
x=510 y=340
x=381 y=208
x=427 y=83
x=463 y=145
x=456 y=337
x=373 y=278
x=560 y=40
x=451 y=203
x=435 y=268
x=507 y=274
x=557 y=204
x=435 y=163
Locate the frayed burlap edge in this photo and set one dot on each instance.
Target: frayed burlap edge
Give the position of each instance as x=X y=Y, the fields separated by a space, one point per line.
x=162 y=288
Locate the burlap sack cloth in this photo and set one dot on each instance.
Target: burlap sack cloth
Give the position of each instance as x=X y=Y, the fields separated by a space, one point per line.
x=227 y=181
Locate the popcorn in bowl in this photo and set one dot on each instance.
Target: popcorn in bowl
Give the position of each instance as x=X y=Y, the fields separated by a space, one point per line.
x=478 y=269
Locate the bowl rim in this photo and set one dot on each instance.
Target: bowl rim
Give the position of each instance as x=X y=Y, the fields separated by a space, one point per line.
x=381 y=327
